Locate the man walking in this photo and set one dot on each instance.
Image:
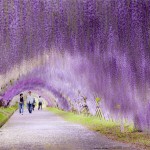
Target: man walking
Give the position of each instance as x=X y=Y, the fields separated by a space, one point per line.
x=30 y=102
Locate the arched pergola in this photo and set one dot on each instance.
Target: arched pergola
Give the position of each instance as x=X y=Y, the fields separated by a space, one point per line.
x=93 y=47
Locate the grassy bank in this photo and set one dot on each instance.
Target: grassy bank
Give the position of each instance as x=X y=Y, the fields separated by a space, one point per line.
x=5 y=114
x=108 y=128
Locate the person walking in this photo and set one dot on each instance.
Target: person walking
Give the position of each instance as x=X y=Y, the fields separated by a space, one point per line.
x=34 y=103
x=30 y=102
x=21 y=104
x=40 y=103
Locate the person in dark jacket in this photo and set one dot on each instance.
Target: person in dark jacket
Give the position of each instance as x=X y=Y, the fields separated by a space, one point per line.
x=34 y=102
x=21 y=104
x=40 y=103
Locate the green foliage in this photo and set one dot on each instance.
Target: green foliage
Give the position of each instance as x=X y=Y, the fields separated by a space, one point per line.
x=5 y=113
x=98 y=99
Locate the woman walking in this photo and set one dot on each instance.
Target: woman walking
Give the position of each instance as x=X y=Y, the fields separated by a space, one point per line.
x=21 y=104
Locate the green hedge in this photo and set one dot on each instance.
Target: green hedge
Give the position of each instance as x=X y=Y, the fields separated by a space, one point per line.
x=6 y=113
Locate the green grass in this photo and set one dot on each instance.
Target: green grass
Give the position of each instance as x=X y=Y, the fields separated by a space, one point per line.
x=109 y=128
x=5 y=113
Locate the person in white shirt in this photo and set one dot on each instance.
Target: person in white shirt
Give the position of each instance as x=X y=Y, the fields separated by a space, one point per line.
x=40 y=103
x=30 y=102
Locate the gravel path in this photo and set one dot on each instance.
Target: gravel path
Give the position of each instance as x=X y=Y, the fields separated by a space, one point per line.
x=43 y=130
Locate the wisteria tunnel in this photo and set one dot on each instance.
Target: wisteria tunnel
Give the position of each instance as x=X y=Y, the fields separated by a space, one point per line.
x=79 y=51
